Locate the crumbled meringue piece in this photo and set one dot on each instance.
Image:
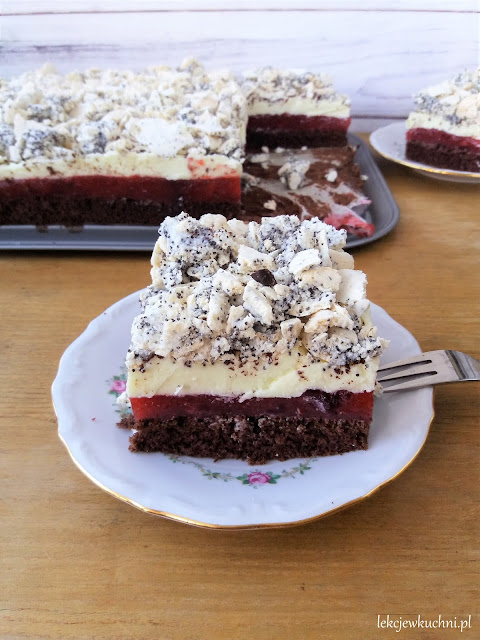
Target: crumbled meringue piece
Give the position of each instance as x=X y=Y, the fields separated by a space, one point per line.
x=304 y=260
x=270 y=204
x=293 y=173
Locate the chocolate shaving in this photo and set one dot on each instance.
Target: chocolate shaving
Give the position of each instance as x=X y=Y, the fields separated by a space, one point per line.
x=265 y=277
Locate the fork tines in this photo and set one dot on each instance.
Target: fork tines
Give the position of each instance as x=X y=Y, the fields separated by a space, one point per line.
x=425 y=369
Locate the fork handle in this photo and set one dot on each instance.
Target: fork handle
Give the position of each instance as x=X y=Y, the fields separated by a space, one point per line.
x=466 y=366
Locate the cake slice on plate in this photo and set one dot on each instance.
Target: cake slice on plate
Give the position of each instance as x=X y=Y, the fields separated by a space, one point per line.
x=120 y=147
x=444 y=129
x=290 y=108
x=255 y=342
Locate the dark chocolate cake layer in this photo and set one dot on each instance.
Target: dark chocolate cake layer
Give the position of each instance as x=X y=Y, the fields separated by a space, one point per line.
x=71 y=212
x=112 y=200
x=444 y=156
x=258 y=138
x=257 y=440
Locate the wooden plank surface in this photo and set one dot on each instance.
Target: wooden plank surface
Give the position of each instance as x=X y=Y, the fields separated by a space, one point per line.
x=379 y=58
x=78 y=564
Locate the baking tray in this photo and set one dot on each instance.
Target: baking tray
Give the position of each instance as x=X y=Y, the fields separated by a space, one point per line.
x=383 y=212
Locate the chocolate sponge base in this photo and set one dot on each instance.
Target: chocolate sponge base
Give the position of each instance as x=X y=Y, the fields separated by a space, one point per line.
x=73 y=212
x=444 y=156
x=257 y=440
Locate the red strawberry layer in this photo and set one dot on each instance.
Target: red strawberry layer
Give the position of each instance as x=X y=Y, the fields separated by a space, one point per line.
x=435 y=136
x=341 y=405
x=140 y=188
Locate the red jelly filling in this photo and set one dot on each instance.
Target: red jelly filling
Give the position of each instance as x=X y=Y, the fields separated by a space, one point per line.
x=140 y=188
x=435 y=136
x=290 y=122
x=341 y=405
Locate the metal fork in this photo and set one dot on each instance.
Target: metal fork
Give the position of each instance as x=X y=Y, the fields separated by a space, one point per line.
x=432 y=367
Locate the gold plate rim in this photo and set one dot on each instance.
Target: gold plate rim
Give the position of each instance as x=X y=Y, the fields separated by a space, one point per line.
x=266 y=525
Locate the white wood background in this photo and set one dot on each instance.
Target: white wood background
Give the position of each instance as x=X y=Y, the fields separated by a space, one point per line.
x=378 y=53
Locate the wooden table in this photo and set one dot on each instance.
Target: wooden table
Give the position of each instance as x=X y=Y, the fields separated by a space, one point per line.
x=76 y=563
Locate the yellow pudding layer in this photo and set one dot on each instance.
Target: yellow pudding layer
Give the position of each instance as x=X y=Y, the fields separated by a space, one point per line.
x=300 y=106
x=125 y=164
x=290 y=376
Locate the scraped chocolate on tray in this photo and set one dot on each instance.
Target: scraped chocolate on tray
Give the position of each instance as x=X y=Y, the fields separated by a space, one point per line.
x=322 y=182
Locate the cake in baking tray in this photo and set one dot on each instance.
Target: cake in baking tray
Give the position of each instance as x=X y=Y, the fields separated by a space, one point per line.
x=254 y=342
x=292 y=108
x=130 y=148
x=120 y=147
x=444 y=129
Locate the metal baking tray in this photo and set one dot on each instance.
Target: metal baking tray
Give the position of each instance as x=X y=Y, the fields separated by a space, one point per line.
x=383 y=212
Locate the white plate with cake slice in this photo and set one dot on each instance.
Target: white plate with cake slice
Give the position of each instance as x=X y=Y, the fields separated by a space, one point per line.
x=390 y=143
x=226 y=493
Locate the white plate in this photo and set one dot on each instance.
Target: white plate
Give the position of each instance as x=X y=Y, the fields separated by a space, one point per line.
x=227 y=493
x=389 y=141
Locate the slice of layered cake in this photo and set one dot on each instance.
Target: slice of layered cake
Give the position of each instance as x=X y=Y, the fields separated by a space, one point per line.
x=118 y=147
x=255 y=342
x=325 y=183
x=444 y=129
x=290 y=108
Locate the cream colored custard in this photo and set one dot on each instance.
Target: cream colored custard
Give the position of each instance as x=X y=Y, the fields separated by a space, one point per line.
x=289 y=377
x=252 y=310
x=300 y=106
x=430 y=121
x=190 y=167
